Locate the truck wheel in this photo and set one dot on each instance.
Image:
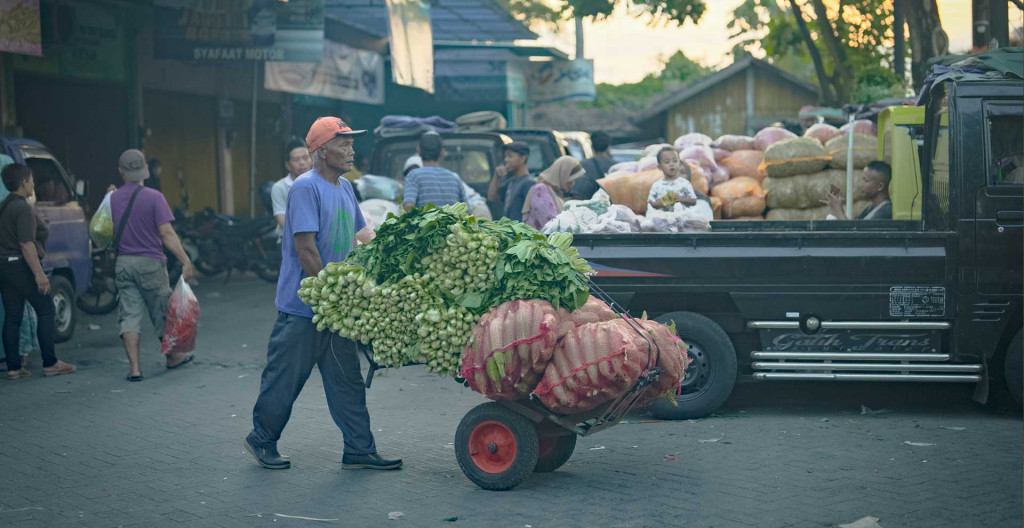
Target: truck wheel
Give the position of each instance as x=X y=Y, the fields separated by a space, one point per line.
x=711 y=375
x=496 y=447
x=64 y=304
x=1013 y=367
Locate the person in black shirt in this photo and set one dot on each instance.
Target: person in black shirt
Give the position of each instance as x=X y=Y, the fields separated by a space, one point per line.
x=875 y=185
x=512 y=181
x=22 y=239
x=595 y=167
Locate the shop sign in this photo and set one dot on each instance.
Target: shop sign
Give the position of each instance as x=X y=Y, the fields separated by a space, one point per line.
x=20 y=31
x=344 y=72
x=239 y=30
x=562 y=80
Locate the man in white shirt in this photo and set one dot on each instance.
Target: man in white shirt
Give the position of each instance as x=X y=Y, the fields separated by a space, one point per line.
x=298 y=162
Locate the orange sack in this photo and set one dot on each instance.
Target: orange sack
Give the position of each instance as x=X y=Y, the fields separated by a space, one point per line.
x=632 y=190
x=740 y=197
x=744 y=163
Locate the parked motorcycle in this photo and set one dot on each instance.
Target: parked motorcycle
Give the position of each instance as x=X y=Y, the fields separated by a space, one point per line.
x=224 y=243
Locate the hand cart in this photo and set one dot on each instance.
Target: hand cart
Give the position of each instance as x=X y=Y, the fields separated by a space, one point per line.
x=499 y=443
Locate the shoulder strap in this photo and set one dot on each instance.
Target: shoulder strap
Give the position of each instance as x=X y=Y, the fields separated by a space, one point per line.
x=116 y=244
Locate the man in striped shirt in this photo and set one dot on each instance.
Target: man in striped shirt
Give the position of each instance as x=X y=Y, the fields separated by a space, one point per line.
x=432 y=183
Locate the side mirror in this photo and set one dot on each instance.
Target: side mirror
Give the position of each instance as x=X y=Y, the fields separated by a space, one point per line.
x=81 y=188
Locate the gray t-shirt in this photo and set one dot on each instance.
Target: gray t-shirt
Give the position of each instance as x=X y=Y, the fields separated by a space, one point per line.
x=882 y=211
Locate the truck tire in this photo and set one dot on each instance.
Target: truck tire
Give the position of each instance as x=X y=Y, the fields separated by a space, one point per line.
x=711 y=375
x=1013 y=367
x=64 y=304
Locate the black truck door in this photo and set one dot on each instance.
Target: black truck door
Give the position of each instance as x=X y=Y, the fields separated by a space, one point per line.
x=999 y=251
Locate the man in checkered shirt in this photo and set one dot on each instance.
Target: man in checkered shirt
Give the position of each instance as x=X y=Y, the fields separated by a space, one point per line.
x=432 y=183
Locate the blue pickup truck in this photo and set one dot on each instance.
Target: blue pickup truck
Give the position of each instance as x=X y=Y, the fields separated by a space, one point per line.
x=68 y=260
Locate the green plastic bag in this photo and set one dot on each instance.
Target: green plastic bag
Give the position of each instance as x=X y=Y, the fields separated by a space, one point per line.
x=101 y=227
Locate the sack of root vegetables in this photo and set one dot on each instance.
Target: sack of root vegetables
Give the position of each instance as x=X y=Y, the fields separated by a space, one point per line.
x=494 y=303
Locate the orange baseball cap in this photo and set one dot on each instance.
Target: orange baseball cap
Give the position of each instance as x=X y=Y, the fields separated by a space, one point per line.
x=325 y=129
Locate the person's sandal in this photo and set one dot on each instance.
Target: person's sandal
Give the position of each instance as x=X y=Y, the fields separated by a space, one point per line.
x=134 y=378
x=18 y=374
x=59 y=368
x=183 y=362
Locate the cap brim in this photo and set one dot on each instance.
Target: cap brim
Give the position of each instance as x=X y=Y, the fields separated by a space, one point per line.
x=353 y=133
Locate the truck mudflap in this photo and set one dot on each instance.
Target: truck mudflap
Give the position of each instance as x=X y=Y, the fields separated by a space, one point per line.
x=895 y=351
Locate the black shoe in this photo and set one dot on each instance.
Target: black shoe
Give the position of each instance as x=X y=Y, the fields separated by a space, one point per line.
x=371 y=461
x=268 y=458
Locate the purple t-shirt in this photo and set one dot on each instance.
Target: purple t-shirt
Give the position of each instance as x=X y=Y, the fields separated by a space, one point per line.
x=141 y=235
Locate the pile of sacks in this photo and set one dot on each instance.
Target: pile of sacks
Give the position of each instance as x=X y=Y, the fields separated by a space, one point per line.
x=571 y=361
x=597 y=215
x=800 y=171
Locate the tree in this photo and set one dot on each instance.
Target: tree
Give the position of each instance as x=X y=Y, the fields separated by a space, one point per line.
x=671 y=11
x=844 y=42
x=677 y=70
x=927 y=39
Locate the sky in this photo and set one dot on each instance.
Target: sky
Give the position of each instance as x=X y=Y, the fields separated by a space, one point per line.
x=626 y=48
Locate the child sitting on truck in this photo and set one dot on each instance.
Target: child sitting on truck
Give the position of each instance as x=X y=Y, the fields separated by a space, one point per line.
x=676 y=187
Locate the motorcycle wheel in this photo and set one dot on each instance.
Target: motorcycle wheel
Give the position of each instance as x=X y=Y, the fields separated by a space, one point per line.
x=270 y=269
x=98 y=299
x=208 y=261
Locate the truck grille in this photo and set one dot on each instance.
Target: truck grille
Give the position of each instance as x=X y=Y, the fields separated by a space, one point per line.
x=861 y=366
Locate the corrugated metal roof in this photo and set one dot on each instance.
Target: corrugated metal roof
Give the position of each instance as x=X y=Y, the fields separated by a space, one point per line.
x=463 y=20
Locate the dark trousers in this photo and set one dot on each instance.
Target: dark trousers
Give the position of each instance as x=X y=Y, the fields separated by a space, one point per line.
x=18 y=285
x=295 y=347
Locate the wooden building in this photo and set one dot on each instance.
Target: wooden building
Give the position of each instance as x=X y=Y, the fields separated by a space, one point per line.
x=740 y=99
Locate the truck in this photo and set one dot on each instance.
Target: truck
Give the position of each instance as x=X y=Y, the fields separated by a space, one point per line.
x=59 y=200
x=934 y=295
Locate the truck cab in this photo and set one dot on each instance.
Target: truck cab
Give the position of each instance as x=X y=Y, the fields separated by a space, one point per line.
x=934 y=295
x=67 y=261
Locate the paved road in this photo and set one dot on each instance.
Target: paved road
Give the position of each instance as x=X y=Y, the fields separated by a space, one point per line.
x=93 y=450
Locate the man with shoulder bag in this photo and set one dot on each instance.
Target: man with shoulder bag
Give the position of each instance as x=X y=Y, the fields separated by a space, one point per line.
x=143 y=227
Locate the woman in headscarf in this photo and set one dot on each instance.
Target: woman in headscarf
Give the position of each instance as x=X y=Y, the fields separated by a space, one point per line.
x=546 y=198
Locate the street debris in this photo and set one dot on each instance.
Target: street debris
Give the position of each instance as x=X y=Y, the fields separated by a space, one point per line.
x=865 y=410
x=597 y=448
x=823 y=420
x=116 y=390
x=451 y=519
x=709 y=440
x=395 y=515
x=285 y=516
x=865 y=522
x=950 y=428
x=671 y=457
x=918 y=444
x=93 y=326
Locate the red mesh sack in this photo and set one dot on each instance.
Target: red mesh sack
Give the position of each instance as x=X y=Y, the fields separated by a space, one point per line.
x=734 y=143
x=823 y=132
x=672 y=360
x=182 y=321
x=593 y=311
x=861 y=126
x=510 y=347
x=771 y=135
x=593 y=364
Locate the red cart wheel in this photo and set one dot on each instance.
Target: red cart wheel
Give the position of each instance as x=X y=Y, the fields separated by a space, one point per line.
x=496 y=447
x=554 y=451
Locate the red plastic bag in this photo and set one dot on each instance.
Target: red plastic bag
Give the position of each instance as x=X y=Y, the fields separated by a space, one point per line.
x=182 y=321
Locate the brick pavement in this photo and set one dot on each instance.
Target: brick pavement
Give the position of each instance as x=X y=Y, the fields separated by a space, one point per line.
x=93 y=450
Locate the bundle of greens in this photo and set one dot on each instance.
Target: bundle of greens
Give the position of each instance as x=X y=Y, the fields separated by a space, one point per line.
x=415 y=292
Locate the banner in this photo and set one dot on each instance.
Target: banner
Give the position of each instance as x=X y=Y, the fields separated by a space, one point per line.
x=560 y=80
x=344 y=73
x=88 y=43
x=412 y=44
x=239 y=30
x=19 y=27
